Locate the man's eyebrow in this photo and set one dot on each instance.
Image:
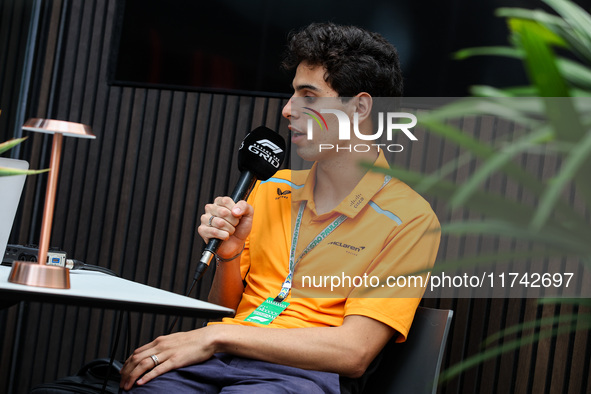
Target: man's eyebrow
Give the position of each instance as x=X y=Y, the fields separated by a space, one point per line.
x=306 y=87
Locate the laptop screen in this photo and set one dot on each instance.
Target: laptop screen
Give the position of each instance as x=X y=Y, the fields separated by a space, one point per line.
x=10 y=194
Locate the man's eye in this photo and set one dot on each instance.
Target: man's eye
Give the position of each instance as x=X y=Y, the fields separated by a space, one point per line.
x=310 y=99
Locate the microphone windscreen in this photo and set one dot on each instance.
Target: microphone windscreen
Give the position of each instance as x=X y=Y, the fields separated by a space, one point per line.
x=262 y=152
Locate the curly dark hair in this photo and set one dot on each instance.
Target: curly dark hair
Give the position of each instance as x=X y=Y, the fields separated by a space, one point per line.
x=355 y=59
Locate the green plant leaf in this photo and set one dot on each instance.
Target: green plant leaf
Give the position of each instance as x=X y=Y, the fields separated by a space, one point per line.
x=489 y=91
x=507 y=347
x=529 y=325
x=479 y=149
x=486 y=203
x=560 y=227
x=539 y=58
x=515 y=91
x=540 y=16
x=566 y=301
x=491 y=205
x=489 y=51
x=495 y=163
x=530 y=111
x=14 y=171
x=577 y=74
x=567 y=242
x=568 y=127
x=573 y=35
x=448 y=168
x=523 y=111
x=573 y=163
x=5 y=146
x=576 y=17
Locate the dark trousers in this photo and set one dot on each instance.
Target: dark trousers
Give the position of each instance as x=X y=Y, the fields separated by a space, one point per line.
x=228 y=374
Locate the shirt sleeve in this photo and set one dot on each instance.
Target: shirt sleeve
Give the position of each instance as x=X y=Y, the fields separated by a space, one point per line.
x=402 y=268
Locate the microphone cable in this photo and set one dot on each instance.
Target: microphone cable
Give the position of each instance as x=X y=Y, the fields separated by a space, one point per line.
x=114 y=349
x=198 y=274
x=74 y=264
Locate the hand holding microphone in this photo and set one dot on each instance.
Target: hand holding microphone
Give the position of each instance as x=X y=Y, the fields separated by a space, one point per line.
x=229 y=222
x=260 y=155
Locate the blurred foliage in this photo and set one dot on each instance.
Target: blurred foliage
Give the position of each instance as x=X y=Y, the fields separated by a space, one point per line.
x=555 y=112
x=5 y=146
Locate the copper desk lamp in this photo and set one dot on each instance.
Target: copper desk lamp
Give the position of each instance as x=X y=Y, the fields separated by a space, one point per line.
x=39 y=273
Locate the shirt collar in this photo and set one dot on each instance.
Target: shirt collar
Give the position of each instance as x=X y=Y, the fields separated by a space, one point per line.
x=351 y=205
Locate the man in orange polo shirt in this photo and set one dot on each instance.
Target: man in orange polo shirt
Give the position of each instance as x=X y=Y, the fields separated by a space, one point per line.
x=296 y=329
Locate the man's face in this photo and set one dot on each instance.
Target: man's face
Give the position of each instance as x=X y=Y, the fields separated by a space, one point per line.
x=312 y=92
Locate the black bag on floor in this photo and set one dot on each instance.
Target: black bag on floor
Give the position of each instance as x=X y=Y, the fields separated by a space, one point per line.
x=89 y=379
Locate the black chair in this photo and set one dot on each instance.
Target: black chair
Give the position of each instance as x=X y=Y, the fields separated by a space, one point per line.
x=412 y=367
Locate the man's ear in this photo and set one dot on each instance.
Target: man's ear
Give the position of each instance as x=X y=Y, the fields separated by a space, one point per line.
x=364 y=103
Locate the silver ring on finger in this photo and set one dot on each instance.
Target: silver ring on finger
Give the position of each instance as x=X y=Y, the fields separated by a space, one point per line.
x=210 y=219
x=155 y=359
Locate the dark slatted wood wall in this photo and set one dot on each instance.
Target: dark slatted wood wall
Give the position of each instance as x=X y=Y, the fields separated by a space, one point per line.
x=14 y=26
x=131 y=200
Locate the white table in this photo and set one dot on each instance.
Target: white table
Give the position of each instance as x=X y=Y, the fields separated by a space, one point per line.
x=95 y=289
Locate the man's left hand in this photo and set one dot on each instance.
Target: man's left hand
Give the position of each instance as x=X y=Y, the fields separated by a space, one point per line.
x=172 y=351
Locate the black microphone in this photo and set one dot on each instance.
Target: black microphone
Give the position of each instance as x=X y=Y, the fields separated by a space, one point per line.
x=260 y=155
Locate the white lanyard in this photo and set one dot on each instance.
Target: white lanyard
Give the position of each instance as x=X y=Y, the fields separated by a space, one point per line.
x=286 y=287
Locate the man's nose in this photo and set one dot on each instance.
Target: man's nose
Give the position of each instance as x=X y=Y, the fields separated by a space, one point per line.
x=286 y=112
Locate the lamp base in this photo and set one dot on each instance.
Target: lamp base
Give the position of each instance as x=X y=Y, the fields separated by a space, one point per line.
x=40 y=275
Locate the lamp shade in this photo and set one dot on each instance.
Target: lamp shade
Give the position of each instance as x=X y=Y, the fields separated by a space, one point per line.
x=52 y=126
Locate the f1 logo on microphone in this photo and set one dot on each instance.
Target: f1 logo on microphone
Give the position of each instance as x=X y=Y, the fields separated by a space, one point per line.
x=268 y=144
x=266 y=150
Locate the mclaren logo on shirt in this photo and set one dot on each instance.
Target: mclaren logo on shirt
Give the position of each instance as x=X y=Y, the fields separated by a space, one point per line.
x=349 y=248
x=282 y=194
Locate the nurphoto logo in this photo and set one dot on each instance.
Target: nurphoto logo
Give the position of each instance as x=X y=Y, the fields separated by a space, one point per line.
x=388 y=123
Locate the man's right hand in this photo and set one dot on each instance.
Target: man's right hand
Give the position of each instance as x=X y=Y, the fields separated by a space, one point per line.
x=228 y=221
